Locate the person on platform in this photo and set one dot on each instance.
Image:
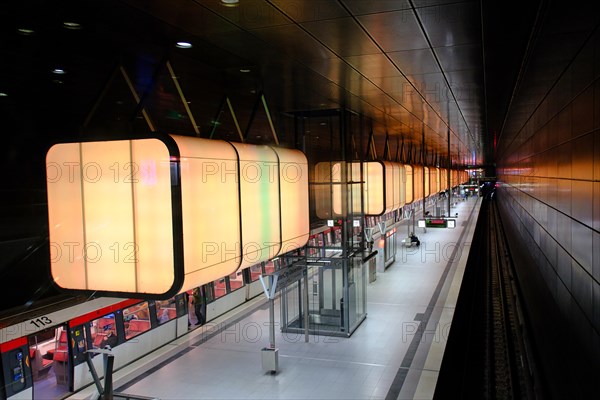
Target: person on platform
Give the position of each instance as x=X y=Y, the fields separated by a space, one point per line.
x=198 y=301
x=415 y=239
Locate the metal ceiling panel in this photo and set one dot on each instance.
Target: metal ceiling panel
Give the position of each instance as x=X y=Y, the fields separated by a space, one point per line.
x=334 y=69
x=420 y=61
x=360 y=7
x=461 y=57
x=394 y=31
x=293 y=41
x=311 y=10
x=343 y=36
x=188 y=16
x=248 y=14
x=373 y=65
x=451 y=24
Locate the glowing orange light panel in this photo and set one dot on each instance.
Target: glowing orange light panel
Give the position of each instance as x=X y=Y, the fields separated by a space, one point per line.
x=110 y=216
x=383 y=188
x=154 y=216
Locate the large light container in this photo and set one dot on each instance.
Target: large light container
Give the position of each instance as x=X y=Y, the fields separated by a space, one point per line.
x=153 y=216
x=383 y=187
x=408 y=184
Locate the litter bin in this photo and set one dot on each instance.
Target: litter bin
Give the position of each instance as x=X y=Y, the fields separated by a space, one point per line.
x=270 y=359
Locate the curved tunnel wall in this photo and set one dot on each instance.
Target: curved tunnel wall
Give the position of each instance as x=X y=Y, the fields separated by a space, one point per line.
x=549 y=174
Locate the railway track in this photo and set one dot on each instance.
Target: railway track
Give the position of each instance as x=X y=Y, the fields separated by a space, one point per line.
x=488 y=354
x=507 y=369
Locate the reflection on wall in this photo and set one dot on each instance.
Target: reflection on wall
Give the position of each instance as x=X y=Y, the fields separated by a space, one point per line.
x=549 y=172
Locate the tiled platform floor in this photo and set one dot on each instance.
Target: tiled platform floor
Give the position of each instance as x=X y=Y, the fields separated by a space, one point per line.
x=395 y=354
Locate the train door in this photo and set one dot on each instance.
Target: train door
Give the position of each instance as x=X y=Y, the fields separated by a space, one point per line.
x=15 y=379
x=49 y=351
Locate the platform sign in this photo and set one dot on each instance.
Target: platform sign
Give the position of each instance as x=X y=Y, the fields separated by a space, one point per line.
x=436 y=223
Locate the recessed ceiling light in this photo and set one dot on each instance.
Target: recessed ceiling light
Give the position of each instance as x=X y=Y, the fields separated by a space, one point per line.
x=2 y=94
x=26 y=31
x=184 y=45
x=244 y=70
x=58 y=71
x=71 y=25
x=230 y=3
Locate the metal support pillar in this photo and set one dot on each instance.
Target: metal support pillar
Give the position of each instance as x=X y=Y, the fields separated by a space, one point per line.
x=270 y=355
x=106 y=392
x=449 y=172
x=272 y=323
x=305 y=298
x=423 y=159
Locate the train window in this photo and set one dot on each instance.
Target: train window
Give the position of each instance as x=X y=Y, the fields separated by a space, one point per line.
x=312 y=243
x=103 y=331
x=236 y=281
x=208 y=292
x=255 y=272
x=269 y=267
x=137 y=319
x=166 y=310
x=338 y=237
x=328 y=239
x=220 y=288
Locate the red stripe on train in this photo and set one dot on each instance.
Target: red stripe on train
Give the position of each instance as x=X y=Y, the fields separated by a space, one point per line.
x=13 y=344
x=82 y=319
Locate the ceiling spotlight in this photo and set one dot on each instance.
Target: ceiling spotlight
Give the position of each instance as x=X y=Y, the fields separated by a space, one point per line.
x=26 y=31
x=230 y=3
x=58 y=71
x=184 y=45
x=71 y=25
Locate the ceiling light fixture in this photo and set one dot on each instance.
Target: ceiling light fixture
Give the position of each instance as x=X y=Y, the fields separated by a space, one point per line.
x=58 y=71
x=71 y=25
x=26 y=31
x=184 y=45
x=244 y=70
x=230 y=3
x=2 y=94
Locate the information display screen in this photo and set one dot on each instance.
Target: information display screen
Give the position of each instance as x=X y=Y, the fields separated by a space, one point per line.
x=436 y=223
